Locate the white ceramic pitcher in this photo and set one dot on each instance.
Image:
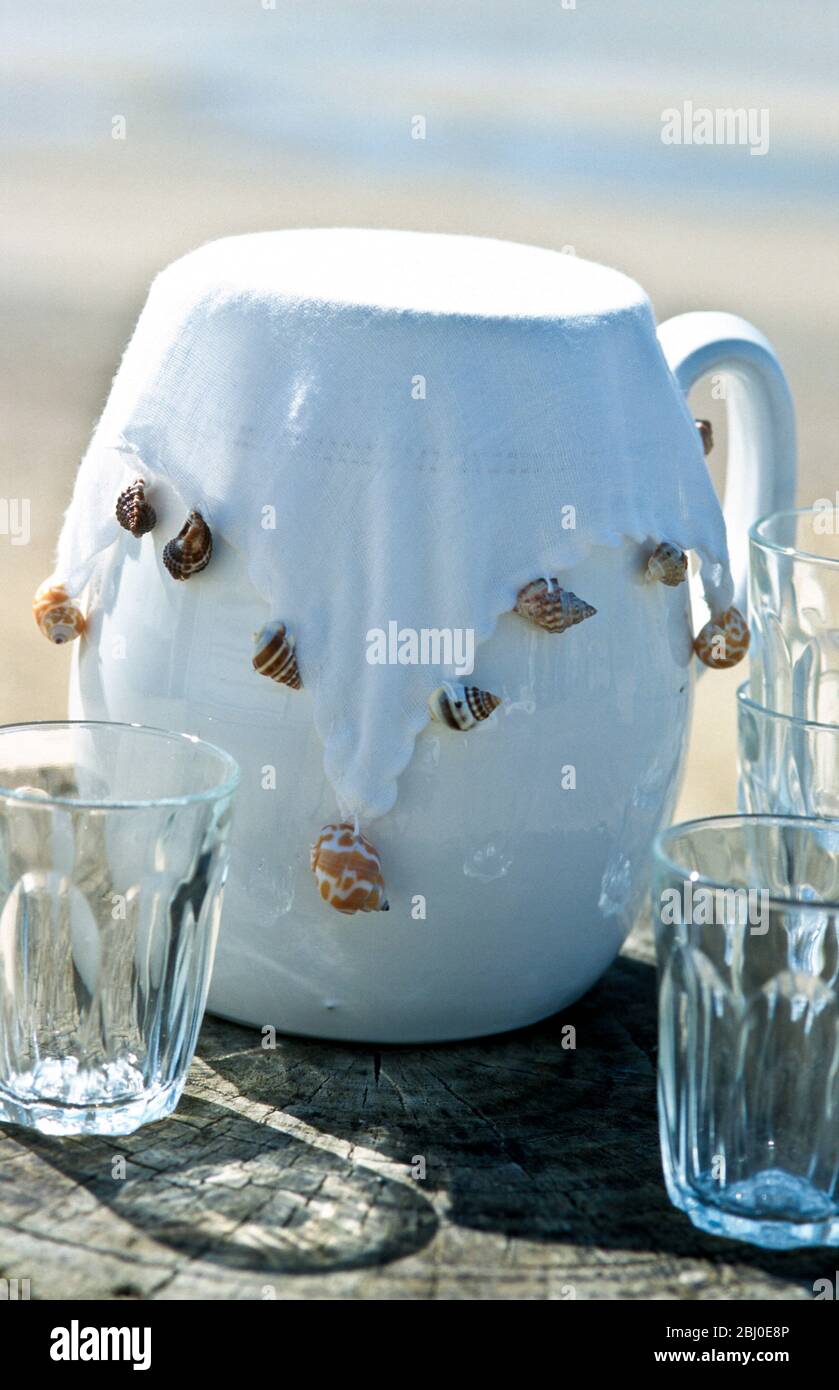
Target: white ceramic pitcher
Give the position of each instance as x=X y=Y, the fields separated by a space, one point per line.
x=504 y=909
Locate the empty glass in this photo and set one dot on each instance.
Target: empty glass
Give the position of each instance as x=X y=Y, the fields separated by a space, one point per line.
x=113 y=854
x=746 y=914
x=786 y=766
x=794 y=612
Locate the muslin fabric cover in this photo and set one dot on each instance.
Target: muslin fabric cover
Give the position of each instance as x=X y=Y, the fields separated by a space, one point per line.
x=396 y=427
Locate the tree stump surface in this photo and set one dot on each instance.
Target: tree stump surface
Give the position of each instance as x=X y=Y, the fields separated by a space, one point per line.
x=297 y=1173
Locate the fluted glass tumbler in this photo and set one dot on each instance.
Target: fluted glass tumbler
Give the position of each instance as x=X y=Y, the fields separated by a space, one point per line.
x=794 y=612
x=785 y=766
x=113 y=855
x=746 y=915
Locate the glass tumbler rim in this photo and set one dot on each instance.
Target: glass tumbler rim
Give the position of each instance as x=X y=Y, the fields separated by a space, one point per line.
x=225 y=786
x=735 y=818
x=757 y=538
x=744 y=698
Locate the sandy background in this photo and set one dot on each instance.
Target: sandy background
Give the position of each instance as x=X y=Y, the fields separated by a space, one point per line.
x=543 y=126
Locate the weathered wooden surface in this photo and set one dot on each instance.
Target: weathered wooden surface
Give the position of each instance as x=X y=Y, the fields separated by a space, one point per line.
x=288 y=1174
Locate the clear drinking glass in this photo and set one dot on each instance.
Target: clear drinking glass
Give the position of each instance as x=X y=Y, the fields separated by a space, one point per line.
x=113 y=855
x=786 y=766
x=794 y=613
x=746 y=915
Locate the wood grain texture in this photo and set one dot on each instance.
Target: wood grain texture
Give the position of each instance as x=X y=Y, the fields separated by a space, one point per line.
x=287 y=1174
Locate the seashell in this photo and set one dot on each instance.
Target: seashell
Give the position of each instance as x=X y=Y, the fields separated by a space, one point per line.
x=274 y=655
x=706 y=434
x=133 y=512
x=544 y=603
x=723 y=641
x=348 y=870
x=462 y=706
x=668 y=564
x=190 y=550
x=58 y=617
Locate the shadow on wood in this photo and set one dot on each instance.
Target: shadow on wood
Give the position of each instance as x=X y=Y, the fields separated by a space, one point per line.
x=219 y=1186
x=522 y=1134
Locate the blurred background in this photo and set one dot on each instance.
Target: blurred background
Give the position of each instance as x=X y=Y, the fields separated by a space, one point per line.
x=543 y=124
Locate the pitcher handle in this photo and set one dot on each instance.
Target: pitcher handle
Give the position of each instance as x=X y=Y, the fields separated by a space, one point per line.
x=761 y=471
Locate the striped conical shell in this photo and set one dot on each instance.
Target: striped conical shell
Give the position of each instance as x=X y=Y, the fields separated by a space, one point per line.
x=723 y=641
x=274 y=655
x=706 y=434
x=462 y=706
x=348 y=871
x=57 y=616
x=133 y=512
x=189 y=551
x=668 y=564
x=544 y=603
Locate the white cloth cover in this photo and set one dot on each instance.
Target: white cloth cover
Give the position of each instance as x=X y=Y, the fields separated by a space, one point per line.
x=420 y=411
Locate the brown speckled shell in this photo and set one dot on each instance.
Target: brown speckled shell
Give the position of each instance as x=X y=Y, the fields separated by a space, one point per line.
x=274 y=655
x=723 y=641
x=57 y=616
x=547 y=605
x=133 y=512
x=668 y=564
x=462 y=706
x=189 y=552
x=707 y=435
x=348 y=871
